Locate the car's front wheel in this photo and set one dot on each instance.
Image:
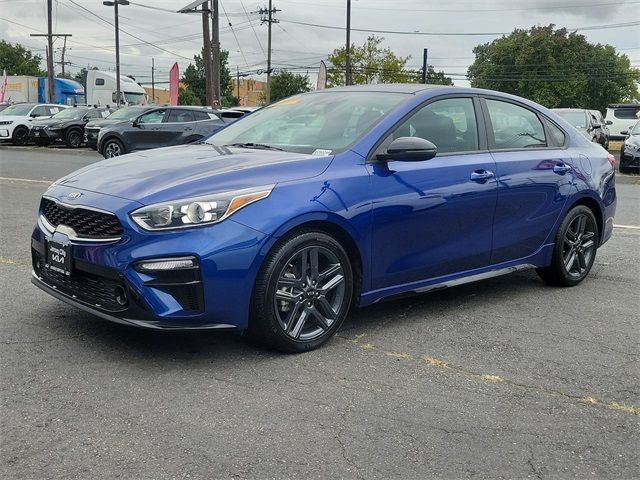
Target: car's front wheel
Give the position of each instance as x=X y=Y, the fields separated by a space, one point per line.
x=20 y=136
x=73 y=138
x=575 y=249
x=112 y=148
x=303 y=292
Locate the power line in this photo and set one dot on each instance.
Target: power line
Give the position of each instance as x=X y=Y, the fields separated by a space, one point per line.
x=452 y=34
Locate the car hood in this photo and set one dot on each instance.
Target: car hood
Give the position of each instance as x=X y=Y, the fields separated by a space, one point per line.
x=633 y=140
x=192 y=170
x=13 y=118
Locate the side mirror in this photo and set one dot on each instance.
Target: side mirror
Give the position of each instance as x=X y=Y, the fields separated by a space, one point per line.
x=624 y=132
x=609 y=122
x=135 y=124
x=408 y=149
x=34 y=115
x=596 y=125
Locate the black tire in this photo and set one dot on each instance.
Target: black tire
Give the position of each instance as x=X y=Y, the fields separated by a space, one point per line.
x=112 y=147
x=20 y=136
x=311 y=303
x=73 y=138
x=575 y=249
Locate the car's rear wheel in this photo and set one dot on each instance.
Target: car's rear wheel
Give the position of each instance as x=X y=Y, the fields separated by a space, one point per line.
x=302 y=293
x=20 y=136
x=575 y=249
x=112 y=148
x=73 y=138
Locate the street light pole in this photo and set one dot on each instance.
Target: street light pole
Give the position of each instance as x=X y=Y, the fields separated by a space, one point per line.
x=115 y=4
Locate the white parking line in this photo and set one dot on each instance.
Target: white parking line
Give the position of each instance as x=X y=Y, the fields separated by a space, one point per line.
x=28 y=180
x=632 y=227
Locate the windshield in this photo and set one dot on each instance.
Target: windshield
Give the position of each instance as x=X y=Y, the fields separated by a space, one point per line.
x=577 y=119
x=18 y=110
x=134 y=98
x=323 y=123
x=128 y=113
x=70 y=113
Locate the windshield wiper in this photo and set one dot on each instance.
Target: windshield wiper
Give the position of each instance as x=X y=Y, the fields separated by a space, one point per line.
x=263 y=146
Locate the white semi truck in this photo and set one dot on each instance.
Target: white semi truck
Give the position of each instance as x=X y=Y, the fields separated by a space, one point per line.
x=101 y=89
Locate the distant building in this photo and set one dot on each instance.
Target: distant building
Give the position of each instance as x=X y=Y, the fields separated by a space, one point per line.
x=251 y=92
x=161 y=96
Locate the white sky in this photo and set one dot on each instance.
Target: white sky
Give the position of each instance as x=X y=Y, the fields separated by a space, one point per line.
x=299 y=45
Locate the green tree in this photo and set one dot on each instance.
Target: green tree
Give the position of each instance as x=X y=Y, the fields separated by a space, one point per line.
x=435 y=78
x=187 y=97
x=81 y=76
x=17 y=60
x=194 y=85
x=555 y=68
x=370 y=63
x=285 y=84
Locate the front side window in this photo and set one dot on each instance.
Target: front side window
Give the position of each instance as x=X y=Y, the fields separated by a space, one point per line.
x=99 y=81
x=39 y=111
x=324 y=122
x=152 y=117
x=514 y=126
x=449 y=124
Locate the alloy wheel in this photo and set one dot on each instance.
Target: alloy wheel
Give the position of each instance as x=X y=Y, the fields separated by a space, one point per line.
x=309 y=293
x=112 y=150
x=74 y=139
x=579 y=245
x=21 y=137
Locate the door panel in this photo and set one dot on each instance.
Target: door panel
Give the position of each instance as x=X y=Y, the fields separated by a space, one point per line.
x=434 y=217
x=430 y=219
x=148 y=133
x=534 y=179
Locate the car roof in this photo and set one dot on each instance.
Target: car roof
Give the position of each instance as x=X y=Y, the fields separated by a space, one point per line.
x=570 y=110
x=386 y=87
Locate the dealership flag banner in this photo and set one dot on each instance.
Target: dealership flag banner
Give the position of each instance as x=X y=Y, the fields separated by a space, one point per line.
x=3 y=86
x=322 y=76
x=174 y=79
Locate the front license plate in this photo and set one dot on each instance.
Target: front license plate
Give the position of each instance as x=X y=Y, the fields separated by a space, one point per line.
x=36 y=134
x=59 y=257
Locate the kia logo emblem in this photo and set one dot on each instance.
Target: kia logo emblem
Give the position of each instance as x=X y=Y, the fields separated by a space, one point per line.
x=74 y=195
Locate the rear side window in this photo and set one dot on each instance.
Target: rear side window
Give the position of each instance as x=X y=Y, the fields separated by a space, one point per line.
x=514 y=126
x=449 y=124
x=53 y=110
x=557 y=136
x=180 y=116
x=201 y=116
x=626 y=113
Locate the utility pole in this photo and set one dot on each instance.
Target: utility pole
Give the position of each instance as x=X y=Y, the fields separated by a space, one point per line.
x=206 y=60
x=215 y=70
x=50 y=35
x=115 y=4
x=64 y=49
x=347 y=63
x=238 y=82
x=153 y=83
x=425 y=65
x=267 y=17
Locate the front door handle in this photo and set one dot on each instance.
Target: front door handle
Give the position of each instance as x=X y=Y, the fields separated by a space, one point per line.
x=481 y=176
x=561 y=168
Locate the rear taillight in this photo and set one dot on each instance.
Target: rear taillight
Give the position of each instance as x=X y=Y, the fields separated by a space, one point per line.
x=612 y=161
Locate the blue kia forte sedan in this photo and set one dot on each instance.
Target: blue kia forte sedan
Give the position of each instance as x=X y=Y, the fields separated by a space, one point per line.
x=282 y=221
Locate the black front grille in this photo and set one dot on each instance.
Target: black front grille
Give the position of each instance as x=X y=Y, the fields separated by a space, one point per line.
x=86 y=223
x=93 y=289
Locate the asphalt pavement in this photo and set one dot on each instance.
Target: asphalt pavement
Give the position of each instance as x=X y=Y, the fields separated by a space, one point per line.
x=505 y=378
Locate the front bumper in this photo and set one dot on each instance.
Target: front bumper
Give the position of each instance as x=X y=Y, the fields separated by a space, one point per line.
x=4 y=133
x=37 y=133
x=630 y=159
x=105 y=279
x=91 y=137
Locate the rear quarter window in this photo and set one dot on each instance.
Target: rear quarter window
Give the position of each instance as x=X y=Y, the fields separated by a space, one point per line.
x=626 y=113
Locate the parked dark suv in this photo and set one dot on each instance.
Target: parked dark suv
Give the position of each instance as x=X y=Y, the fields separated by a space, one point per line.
x=66 y=126
x=126 y=115
x=159 y=127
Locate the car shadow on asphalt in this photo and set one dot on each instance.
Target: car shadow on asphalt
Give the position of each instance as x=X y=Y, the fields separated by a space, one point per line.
x=122 y=341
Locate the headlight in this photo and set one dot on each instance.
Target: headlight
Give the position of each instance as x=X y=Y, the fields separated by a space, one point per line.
x=52 y=127
x=193 y=212
x=6 y=122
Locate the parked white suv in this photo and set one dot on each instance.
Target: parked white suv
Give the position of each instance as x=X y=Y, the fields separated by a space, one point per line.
x=15 y=120
x=621 y=116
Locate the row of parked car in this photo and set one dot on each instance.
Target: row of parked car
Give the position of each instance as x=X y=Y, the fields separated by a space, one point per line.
x=112 y=132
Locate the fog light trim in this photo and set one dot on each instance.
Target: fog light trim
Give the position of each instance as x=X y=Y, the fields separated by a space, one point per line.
x=166 y=264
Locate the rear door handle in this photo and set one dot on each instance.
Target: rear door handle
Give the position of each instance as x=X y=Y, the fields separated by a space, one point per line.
x=481 y=176
x=561 y=168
